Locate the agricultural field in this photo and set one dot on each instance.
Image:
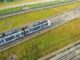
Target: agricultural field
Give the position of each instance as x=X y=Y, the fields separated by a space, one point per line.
x=45 y=43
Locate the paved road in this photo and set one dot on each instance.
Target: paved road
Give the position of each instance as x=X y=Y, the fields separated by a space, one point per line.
x=33 y=9
x=56 y=21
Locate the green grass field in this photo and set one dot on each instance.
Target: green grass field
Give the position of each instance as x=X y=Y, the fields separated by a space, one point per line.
x=23 y=1
x=45 y=43
x=22 y=19
x=32 y=6
x=16 y=2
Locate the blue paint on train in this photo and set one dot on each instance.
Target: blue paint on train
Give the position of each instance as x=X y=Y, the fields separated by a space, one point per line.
x=35 y=28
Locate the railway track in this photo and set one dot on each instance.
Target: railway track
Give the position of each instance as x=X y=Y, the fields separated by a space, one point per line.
x=37 y=8
x=77 y=57
x=56 y=22
x=69 y=54
x=64 y=18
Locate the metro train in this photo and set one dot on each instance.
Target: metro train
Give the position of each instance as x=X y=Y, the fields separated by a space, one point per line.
x=25 y=32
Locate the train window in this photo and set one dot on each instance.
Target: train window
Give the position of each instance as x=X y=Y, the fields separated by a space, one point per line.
x=9 y=38
x=27 y=31
x=22 y=33
x=46 y=24
x=17 y=35
x=36 y=27
x=31 y=29
x=1 y=41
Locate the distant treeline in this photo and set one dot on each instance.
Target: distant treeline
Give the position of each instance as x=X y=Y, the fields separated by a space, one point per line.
x=5 y=0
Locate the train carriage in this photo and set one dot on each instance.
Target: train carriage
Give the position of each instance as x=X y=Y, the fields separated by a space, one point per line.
x=27 y=31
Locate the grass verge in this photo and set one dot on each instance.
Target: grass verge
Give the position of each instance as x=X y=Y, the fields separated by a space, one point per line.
x=10 y=22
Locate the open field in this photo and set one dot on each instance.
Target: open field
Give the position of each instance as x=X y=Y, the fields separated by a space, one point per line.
x=16 y=2
x=22 y=19
x=45 y=43
x=25 y=1
x=21 y=7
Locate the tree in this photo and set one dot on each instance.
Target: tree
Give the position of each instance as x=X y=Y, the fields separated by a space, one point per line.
x=5 y=0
